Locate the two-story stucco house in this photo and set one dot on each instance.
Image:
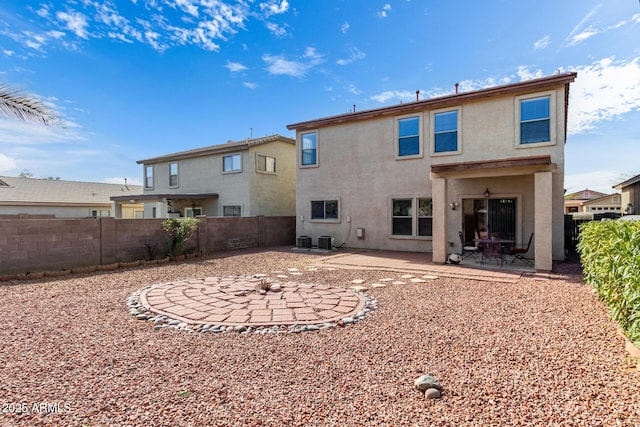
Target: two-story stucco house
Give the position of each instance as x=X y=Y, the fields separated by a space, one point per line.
x=245 y=178
x=410 y=177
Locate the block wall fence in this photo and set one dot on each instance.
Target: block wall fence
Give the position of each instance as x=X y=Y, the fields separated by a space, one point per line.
x=33 y=245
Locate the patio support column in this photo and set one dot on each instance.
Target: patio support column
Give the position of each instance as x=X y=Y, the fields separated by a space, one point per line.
x=543 y=222
x=439 y=239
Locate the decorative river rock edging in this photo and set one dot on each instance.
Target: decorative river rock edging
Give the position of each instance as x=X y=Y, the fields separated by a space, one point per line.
x=138 y=309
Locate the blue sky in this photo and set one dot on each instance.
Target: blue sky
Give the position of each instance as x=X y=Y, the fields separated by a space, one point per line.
x=134 y=79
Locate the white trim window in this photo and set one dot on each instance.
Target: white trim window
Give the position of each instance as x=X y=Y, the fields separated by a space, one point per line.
x=412 y=217
x=309 y=149
x=265 y=164
x=192 y=212
x=232 y=210
x=232 y=163
x=325 y=210
x=408 y=133
x=148 y=176
x=173 y=174
x=445 y=132
x=535 y=120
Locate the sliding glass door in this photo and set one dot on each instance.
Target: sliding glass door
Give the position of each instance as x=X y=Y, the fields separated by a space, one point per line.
x=489 y=216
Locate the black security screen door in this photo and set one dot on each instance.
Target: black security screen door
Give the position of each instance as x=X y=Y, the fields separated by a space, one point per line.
x=495 y=216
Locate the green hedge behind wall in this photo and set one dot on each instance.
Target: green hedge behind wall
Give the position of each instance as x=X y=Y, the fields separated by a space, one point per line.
x=610 y=256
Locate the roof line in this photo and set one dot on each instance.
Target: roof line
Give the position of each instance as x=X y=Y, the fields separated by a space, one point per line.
x=439 y=102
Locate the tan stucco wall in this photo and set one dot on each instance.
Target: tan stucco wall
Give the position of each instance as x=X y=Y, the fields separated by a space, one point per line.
x=273 y=194
x=357 y=165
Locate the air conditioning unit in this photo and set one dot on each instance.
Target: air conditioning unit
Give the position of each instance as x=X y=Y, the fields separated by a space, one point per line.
x=304 y=242
x=324 y=242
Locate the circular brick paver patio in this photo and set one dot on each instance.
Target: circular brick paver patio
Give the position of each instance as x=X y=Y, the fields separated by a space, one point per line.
x=235 y=301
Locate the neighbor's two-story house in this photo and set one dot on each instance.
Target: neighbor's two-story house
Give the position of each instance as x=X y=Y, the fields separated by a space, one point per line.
x=245 y=178
x=410 y=177
x=630 y=197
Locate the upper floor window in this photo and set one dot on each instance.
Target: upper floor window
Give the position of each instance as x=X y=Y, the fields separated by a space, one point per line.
x=409 y=136
x=324 y=209
x=148 y=176
x=266 y=163
x=173 y=174
x=535 y=123
x=232 y=163
x=309 y=148
x=445 y=131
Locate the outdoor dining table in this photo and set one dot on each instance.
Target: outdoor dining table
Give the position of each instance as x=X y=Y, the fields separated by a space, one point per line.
x=492 y=248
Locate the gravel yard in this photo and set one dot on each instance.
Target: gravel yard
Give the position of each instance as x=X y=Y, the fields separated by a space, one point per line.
x=539 y=352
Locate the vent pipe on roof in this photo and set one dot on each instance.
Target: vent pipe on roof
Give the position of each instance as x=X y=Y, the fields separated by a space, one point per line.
x=417 y=95
x=456 y=85
x=354 y=108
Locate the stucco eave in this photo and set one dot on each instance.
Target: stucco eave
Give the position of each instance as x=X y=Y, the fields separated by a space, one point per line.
x=500 y=167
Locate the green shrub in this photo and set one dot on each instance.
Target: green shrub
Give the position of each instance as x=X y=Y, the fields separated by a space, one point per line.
x=610 y=256
x=179 y=231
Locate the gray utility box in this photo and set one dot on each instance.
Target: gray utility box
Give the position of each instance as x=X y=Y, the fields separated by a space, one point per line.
x=324 y=242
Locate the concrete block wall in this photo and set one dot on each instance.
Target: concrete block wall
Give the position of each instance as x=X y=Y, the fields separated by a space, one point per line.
x=32 y=245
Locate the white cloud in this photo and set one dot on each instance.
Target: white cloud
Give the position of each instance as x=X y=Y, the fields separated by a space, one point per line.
x=344 y=28
x=250 y=85
x=396 y=95
x=76 y=22
x=187 y=6
x=603 y=90
x=7 y=164
x=582 y=36
x=525 y=74
x=597 y=180
x=542 y=43
x=274 y=7
x=234 y=67
x=354 y=55
x=279 y=65
x=276 y=29
x=383 y=12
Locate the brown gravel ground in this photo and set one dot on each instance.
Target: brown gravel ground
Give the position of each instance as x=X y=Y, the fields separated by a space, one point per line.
x=539 y=352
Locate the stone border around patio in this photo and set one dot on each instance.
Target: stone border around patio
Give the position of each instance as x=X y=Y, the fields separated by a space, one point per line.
x=140 y=308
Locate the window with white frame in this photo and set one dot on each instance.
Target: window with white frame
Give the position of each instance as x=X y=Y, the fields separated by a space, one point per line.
x=409 y=136
x=232 y=210
x=266 y=164
x=324 y=209
x=232 y=163
x=425 y=217
x=309 y=144
x=148 y=176
x=97 y=213
x=192 y=212
x=404 y=221
x=445 y=132
x=535 y=120
x=173 y=174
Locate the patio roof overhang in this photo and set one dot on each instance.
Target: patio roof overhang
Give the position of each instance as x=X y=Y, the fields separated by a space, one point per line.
x=169 y=196
x=490 y=168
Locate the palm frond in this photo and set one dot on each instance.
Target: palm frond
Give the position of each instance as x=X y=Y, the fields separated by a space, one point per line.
x=23 y=107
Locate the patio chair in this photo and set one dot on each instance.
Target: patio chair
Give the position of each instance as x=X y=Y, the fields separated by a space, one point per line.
x=466 y=249
x=518 y=252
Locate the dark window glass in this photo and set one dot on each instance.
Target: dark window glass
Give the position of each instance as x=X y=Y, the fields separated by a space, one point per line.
x=535 y=124
x=409 y=136
x=309 y=148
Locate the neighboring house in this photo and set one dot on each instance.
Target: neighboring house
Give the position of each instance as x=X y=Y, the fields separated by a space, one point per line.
x=630 y=196
x=608 y=205
x=246 y=178
x=573 y=202
x=410 y=177
x=47 y=198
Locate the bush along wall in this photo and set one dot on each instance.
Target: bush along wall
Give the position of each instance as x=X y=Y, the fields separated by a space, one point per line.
x=610 y=256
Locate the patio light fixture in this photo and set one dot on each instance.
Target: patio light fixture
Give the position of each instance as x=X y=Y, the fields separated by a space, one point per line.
x=486 y=193
x=453 y=205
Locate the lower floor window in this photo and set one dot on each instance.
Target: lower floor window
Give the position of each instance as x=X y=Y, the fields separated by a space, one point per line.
x=404 y=222
x=231 y=211
x=99 y=213
x=192 y=212
x=324 y=209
